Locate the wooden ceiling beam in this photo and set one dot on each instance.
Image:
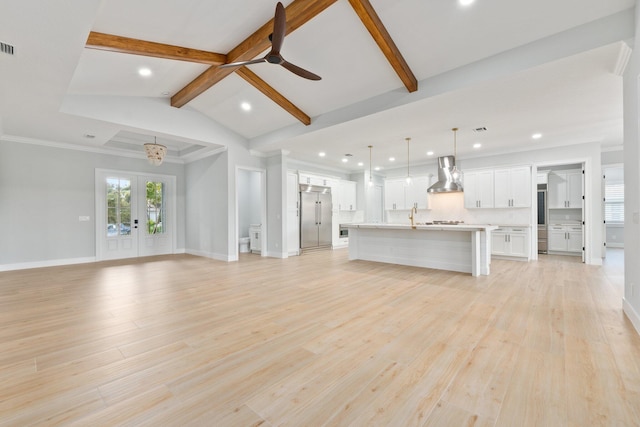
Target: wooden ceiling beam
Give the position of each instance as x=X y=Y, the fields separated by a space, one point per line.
x=270 y=92
x=376 y=28
x=131 y=46
x=298 y=13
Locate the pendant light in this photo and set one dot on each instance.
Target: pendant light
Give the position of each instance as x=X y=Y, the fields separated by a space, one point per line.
x=408 y=174
x=456 y=173
x=155 y=152
x=370 y=166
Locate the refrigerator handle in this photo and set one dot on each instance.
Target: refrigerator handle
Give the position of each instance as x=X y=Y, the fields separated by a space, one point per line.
x=320 y=212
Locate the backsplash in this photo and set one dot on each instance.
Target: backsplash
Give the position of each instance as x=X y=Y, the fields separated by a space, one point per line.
x=450 y=206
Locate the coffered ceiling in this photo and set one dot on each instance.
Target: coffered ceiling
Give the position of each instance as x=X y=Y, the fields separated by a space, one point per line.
x=514 y=67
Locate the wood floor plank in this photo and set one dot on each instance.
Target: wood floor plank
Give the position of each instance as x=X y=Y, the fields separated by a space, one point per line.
x=480 y=385
x=536 y=395
x=316 y=340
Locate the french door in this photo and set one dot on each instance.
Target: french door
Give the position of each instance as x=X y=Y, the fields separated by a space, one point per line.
x=135 y=214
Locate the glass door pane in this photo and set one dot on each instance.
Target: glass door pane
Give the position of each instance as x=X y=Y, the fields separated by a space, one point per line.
x=155 y=207
x=118 y=207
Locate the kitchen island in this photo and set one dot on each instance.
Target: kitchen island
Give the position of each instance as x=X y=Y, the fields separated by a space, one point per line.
x=463 y=247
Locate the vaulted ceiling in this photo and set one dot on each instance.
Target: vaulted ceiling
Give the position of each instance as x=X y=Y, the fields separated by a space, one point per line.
x=390 y=70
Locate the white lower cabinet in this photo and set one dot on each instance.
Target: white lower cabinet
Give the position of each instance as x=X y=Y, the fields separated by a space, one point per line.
x=565 y=238
x=510 y=242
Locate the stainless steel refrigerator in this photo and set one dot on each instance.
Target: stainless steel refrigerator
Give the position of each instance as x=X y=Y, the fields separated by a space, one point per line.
x=315 y=217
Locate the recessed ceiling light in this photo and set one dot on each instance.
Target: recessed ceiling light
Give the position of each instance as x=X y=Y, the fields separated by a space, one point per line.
x=477 y=145
x=429 y=153
x=465 y=2
x=245 y=106
x=345 y=160
x=144 y=71
x=536 y=136
x=392 y=159
x=322 y=154
x=377 y=168
x=360 y=164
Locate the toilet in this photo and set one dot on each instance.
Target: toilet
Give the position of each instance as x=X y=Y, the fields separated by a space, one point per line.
x=244 y=244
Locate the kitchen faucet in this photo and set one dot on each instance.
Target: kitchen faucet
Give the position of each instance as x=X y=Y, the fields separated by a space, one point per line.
x=414 y=210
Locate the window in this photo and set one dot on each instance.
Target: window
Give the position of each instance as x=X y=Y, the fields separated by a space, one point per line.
x=613 y=201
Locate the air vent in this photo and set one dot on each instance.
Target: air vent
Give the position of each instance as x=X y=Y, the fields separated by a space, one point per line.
x=480 y=129
x=6 y=48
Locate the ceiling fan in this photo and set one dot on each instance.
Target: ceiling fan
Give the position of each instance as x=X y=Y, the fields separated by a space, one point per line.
x=274 y=57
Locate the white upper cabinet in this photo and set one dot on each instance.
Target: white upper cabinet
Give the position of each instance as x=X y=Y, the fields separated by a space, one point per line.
x=498 y=188
x=512 y=187
x=347 y=195
x=398 y=195
x=478 y=189
x=416 y=194
x=315 y=180
x=394 y=194
x=564 y=190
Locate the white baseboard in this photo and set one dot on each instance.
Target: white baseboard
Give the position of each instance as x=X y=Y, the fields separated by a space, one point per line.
x=48 y=263
x=632 y=314
x=212 y=255
x=277 y=255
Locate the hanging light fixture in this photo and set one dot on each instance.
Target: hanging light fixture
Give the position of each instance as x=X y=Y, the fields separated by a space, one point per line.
x=155 y=152
x=370 y=175
x=408 y=174
x=456 y=173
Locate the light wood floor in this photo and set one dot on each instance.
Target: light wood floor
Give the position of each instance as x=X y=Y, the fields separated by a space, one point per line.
x=316 y=340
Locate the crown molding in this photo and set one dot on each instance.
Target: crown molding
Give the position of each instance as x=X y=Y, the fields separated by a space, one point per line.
x=85 y=148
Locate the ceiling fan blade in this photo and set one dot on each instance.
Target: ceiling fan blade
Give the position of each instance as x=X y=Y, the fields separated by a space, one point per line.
x=279 y=29
x=300 y=71
x=241 y=63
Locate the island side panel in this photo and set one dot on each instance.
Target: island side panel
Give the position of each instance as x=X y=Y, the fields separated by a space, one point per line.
x=439 y=249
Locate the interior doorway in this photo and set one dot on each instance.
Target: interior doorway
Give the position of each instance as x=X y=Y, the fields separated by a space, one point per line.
x=135 y=214
x=251 y=212
x=560 y=209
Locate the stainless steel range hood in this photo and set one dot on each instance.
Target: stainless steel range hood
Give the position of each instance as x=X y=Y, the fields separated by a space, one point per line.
x=446 y=183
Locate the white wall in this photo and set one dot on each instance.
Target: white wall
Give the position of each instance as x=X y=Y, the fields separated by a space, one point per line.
x=207 y=218
x=43 y=191
x=277 y=206
x=632 y=182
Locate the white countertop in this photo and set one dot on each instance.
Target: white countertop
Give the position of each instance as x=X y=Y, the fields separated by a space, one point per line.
x=434 y=227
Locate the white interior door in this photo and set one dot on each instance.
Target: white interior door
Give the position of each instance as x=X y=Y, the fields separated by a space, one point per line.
x=135 y=215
